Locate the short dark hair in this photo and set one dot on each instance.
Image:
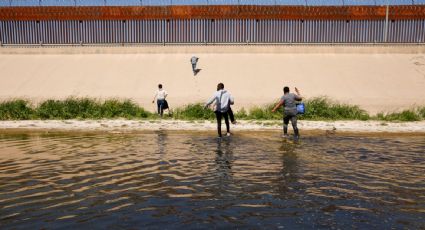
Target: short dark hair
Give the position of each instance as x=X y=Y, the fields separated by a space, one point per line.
x=220 y=86
x=160 y=86
x=286 y=89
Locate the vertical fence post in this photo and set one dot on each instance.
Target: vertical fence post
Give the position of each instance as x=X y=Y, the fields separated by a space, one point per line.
x=167 y=32
x=80 y=29
x=123 y=32
x=386 y=23
x=40 y=37
x=205 y=24
x=164 y=28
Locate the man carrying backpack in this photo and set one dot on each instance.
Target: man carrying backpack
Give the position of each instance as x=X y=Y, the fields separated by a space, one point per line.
x=288 y=100
x=222 y=98
x=160 y=96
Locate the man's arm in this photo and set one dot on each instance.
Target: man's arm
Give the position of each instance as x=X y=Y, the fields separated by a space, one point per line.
x=298 y=96
x=231 y=99
x=153 y=101
x=210 y=101
x=278 y=105
x=165 y=94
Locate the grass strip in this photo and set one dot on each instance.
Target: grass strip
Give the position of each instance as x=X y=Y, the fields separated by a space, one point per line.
x=319 y=108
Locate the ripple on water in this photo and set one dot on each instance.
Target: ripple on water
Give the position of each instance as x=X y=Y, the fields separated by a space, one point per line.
x=177 y=179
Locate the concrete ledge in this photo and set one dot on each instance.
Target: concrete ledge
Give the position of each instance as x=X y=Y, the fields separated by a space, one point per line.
x=217 y=48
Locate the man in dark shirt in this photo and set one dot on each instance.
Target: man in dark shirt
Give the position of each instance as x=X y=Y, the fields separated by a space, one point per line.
x=194 y=61
x=289 y=100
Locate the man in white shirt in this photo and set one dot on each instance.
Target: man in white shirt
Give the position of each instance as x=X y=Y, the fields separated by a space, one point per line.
x=222 y=99
x=160 y=96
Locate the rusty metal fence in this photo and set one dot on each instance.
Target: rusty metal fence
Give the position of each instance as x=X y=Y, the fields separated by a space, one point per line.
x=204 y=2
x=223 y=24
x=205 y=31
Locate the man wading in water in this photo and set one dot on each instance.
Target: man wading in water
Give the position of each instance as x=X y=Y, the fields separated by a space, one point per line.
x=222 y=99
x=288 y=100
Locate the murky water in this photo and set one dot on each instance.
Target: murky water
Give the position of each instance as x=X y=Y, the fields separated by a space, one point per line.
x=190 y=180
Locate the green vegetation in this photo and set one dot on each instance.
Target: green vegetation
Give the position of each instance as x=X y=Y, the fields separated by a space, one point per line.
x=421 y=112
x=316 y=109
x=126 y=109
x=260 y=113
x=86 y=108
x=71 y=108
x=16 y=110
x=241 y=114
x=193 y=112
x=321 y=108
x=405 y=115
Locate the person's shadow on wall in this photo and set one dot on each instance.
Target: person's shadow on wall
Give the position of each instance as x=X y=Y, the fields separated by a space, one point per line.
x=197 y=71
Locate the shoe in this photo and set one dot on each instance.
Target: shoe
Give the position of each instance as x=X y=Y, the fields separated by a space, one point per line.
x=286 y=136
x=228 y=134
x=234 y=122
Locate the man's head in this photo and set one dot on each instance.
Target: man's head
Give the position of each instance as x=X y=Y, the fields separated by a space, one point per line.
x=286 y=89
x=160 y=86
x=220 y=86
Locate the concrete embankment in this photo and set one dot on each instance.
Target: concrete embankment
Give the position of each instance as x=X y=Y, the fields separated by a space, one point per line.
x=377 y=78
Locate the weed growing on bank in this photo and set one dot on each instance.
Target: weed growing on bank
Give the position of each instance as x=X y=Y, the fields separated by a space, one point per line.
x=72 y=108
x=405 y=115
x=264 y=113
x=320 y=108
x=316 y=109
x=421 y=112
x=193 y=112
x=16 y=110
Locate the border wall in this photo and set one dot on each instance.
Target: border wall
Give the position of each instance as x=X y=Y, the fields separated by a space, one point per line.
x=212 y=25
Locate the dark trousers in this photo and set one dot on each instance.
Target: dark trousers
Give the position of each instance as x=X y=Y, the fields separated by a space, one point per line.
x=219 y=115
x=160 y=104
x=293 y=119
x=194 y=68
x=231 y=116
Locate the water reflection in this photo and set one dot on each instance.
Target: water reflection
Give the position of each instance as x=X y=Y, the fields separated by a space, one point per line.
x=191 y=180
x=161 y=141
x=289 y=165
x=224 y=160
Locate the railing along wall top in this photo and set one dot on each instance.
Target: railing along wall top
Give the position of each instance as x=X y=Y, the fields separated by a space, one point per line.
x=213 y=12
x=205 y=2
